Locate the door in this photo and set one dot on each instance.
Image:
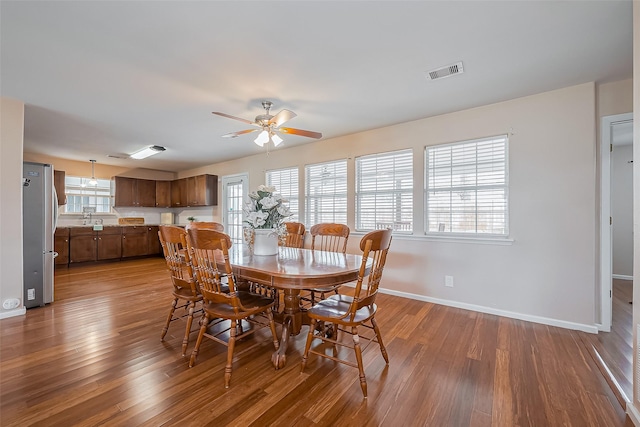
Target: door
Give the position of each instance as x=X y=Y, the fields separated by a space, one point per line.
x=609 y=138
x=234 y=192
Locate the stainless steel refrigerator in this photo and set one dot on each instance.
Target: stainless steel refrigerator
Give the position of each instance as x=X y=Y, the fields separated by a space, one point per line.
x=39 y=214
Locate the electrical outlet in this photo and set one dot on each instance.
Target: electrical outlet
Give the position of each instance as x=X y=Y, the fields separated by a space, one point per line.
x=31 y=294
x=11 y=303
x=448 y=281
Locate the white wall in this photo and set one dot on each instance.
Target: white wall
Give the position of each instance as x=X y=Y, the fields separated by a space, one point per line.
x=548 y=273
x=11 y=142
x=622 y=210
x=634 y=409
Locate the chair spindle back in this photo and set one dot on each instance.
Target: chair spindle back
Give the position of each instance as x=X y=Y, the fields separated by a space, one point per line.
x=330 y=237
x=171 y=239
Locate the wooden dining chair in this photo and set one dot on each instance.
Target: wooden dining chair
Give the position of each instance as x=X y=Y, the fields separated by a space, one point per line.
x=348 y=313
x=186 y=294
x=225 y=307
x=209 y=225
x=329 y=237
x=295 y=235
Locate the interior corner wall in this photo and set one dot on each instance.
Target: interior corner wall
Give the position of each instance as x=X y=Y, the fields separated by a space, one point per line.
x=11 y=146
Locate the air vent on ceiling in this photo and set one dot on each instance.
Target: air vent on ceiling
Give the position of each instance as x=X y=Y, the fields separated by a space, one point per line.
x=118 y=156
x=442 y=72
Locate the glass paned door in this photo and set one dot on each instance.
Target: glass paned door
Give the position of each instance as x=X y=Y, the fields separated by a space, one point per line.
x=234 y=193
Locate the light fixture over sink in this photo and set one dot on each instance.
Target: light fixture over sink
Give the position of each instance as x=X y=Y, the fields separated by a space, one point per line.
x=146 y=152
x=93 y=181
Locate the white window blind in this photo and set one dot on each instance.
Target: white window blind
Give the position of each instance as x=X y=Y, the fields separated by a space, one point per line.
x=466 y=187
x=326 y=193
x=80 y=195
x=286 y=183
x=384 y=191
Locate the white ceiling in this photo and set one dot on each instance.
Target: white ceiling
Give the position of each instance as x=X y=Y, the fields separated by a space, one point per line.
x=101 y=78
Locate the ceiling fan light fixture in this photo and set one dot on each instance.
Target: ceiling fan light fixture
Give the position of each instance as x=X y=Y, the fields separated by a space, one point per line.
x=146 y=152
x=276 y=139
x=262 y=139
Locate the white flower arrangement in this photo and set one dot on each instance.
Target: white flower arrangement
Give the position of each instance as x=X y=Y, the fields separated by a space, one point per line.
x=265 y=209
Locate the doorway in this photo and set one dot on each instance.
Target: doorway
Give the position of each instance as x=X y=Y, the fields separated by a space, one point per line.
x=614 y=343
x=234 y=192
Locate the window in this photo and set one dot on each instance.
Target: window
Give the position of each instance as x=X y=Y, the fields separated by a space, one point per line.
x=466 y=187
x=326 y=193
x=384 y=191
x=234 y=193
x=81 y=195
x=286 y=183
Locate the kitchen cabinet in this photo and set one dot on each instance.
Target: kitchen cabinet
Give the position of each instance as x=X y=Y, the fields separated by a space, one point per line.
x=135 y=192
x=153 y=241
x=179 y=193
x=83 y=245
x=109 y=243
x=134 y=241
x=59 y=185
x=61 y=246
x=163 y=194
x=202 y=190
x=86 y=244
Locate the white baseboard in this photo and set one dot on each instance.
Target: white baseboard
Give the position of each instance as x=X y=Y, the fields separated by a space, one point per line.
x=593 y=329
x=634 y=414
x=12 y=313
x=622 y=277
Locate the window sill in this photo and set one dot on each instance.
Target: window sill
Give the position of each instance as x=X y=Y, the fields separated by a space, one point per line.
x=500 y=241
x=79 y=214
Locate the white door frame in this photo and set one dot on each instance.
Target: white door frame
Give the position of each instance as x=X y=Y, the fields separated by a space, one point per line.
x=606 y=249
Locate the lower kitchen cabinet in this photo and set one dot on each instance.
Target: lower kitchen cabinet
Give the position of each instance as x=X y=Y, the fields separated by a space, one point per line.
x=134 y=241
x=83 y=244
x=86 y=244
x=61 y=246
x=109 y=243
x=153 y=241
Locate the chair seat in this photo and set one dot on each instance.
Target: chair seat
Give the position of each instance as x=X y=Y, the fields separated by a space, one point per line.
x=253 y=303
x=186 y=294
x=337 y=306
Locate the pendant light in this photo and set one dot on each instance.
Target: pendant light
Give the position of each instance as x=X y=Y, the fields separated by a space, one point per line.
x=93 y=181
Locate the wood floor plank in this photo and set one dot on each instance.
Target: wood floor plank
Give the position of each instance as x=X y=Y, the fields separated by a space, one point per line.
x=94 y=357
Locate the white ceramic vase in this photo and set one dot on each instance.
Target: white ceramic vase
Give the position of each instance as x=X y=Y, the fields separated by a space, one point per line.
x=265 y=242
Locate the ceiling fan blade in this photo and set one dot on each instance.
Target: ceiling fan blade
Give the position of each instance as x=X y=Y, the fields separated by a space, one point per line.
x=238 y=133
x=301 y=132
x=282 y=117
x=229 y=116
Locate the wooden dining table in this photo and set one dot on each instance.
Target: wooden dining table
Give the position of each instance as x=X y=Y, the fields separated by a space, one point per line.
x=292 y=270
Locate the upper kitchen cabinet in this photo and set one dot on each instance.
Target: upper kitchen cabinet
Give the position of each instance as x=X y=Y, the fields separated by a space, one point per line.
x=179 y=193
x=135 y=192
x=202 y=190
x=58 y=183
x=163 y=194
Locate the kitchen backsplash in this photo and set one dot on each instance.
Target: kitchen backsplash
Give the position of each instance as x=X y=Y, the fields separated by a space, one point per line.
x=150 y=215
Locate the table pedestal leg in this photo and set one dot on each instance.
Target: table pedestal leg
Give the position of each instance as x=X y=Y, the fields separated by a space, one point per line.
x=291 y=325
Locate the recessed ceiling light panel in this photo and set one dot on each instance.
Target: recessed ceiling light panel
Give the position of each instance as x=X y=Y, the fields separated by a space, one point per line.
x=146 y=152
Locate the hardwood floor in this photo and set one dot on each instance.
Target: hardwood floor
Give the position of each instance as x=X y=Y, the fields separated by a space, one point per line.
x=94 y=357
x=615 y=348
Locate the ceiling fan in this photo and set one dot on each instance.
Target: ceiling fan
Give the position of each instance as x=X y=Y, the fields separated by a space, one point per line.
x=269 y=126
